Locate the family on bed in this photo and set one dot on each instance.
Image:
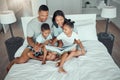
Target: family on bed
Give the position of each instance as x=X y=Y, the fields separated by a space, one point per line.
x=57 y=32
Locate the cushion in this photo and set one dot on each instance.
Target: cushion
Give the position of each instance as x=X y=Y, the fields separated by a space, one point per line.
x=86 y=31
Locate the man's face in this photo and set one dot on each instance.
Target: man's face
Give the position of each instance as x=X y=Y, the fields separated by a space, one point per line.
x=43 y=15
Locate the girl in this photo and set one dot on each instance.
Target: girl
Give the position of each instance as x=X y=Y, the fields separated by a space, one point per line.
x=69 y=37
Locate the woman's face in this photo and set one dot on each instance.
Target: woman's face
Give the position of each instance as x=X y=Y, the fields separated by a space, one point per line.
x=59 y=20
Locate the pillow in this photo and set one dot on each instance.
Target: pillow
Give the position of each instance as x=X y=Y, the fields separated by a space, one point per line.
x=84 y=22
x=86 y=31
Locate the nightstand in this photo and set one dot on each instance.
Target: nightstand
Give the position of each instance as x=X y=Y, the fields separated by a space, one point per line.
x=12 y=45
x=107 y=40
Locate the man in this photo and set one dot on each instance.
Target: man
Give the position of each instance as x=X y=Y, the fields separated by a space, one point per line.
x=33 y=30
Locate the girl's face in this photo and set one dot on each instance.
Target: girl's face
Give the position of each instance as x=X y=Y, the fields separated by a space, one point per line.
x=59 y=20
x=67 y=30
x=45 y=33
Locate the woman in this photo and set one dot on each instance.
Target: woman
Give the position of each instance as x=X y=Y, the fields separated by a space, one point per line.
x=58 y=20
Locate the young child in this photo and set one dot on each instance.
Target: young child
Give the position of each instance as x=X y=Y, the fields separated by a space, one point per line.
x=69 y=37
x=39 y=52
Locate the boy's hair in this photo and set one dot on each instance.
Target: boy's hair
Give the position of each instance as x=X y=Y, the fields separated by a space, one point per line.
x=45 y=26
x=43 y=8
x=69 y=23
x=57 y=13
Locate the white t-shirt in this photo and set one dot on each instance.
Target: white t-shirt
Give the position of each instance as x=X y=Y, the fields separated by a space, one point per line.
x=56 y=31
x=34 y=27
x=67 y=40
x=41 y=39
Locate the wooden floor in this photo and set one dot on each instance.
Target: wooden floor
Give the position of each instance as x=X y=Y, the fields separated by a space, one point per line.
x=17 y=29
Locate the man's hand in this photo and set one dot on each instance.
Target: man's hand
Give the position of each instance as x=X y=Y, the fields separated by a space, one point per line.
x=37 y=48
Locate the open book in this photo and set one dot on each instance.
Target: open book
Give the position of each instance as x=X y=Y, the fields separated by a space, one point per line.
x=60 y=50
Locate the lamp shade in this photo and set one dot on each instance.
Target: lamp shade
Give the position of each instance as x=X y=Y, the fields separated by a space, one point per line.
x=7 y=17
x=108 y=12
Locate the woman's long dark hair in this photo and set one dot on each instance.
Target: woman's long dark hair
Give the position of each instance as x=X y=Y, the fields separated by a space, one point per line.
x=57 y=13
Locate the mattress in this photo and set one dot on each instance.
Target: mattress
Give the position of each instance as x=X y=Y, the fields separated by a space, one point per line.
x=96 y=64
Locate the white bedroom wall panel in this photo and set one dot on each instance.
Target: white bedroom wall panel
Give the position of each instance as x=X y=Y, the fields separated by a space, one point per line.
x=3 y=6
x=116 y=20
x=35 y=6
x=68 y=6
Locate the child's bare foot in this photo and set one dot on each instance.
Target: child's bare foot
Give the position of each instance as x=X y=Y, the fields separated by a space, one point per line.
x=61 y=70
x=44 y=62
x=57 y=64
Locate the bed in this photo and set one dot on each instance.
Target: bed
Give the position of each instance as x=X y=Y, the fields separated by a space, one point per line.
x=96 y=64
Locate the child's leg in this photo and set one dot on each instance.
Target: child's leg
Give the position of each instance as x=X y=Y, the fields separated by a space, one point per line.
x=52 y=56
x=74 y=54
x=62 y=61
x=22 y=59
x=44 y=55
x=31 y=55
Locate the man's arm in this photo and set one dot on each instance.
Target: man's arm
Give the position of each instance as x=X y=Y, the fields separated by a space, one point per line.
x=30 y=41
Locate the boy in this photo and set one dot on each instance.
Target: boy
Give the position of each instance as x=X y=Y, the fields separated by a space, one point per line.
x=39 y=52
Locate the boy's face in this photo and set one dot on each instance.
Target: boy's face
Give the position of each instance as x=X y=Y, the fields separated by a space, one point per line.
x=45 y=33
x=59 y=20
x=43 y=15
x=67 y=30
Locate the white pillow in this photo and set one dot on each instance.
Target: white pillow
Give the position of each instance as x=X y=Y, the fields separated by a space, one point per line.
x=84 y=22
x=86 y=31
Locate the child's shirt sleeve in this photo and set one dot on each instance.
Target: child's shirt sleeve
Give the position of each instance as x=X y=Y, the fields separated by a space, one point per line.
x=59 y=37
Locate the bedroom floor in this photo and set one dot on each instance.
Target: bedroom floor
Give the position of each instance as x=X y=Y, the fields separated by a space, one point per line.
x=17 y=31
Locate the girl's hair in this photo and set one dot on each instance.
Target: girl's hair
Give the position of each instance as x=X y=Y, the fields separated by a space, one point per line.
x=45 y=26
x=69 y=23
x=57 y=13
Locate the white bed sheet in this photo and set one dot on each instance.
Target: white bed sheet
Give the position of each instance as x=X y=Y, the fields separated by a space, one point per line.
x=97 y=64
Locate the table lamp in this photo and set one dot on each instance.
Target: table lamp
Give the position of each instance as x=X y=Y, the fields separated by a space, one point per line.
x=108 y=12
x=8 y=17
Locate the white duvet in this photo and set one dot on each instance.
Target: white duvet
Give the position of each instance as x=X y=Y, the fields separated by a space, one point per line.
x=97 y=64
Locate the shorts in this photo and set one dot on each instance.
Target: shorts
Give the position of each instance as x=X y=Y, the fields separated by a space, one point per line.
x=36 y=54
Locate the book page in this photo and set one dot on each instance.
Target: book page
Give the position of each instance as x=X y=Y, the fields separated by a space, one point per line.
x=60 y=50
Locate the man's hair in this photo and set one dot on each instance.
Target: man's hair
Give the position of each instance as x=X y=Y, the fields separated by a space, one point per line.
x=45 y=26
x=43 y=8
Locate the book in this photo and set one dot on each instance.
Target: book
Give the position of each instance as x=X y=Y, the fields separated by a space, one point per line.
x=60 y=50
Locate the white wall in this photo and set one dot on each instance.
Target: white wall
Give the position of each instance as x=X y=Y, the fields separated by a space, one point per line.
x=3 y=6
x=35 y=6
x=67 y=6
x=117 y=19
